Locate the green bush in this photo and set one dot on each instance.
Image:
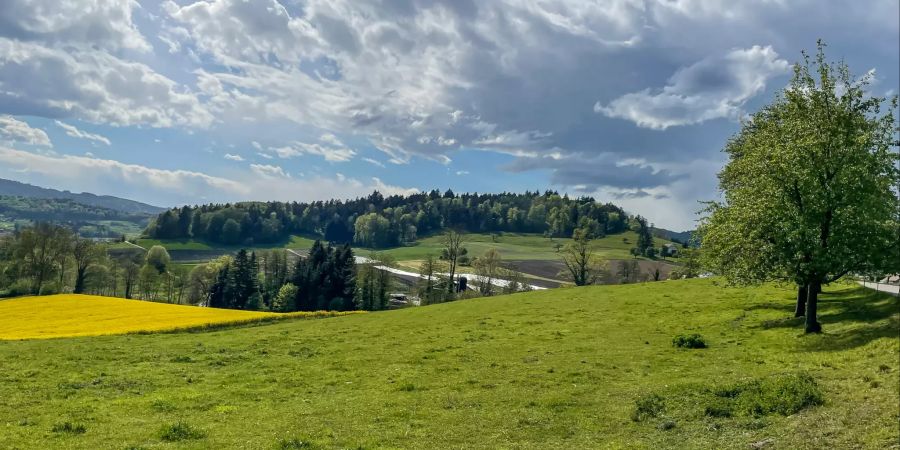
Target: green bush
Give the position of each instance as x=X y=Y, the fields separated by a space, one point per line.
x=180 y=431
x=689 y=341
x=648 y=406
x=780 y=394
x=297 y=444
x=69 y=427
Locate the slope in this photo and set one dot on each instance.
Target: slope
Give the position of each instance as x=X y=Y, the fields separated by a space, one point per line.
x=551 y=369
x=10 y=187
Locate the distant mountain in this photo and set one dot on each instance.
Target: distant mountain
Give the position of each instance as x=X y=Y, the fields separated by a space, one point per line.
x=87 y=220
x=15 y=188
x=677 y=236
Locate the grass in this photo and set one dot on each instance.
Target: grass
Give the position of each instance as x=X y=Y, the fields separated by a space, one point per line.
x=68 y=315
x=516 y=246
x=564 y=368
x=294 y=242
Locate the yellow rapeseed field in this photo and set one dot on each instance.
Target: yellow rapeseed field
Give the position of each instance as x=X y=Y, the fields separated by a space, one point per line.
x=67 y=315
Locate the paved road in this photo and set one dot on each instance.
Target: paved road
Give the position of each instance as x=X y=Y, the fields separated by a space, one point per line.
x=889 y=288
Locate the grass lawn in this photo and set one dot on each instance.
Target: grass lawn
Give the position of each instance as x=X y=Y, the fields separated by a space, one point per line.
x=550 y=369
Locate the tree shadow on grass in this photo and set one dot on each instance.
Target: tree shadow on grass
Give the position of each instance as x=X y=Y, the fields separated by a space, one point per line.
x=850 y=318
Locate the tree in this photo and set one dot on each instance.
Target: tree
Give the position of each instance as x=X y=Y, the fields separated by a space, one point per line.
x=429 y=288
x=452 y=252
x=231 y=232
x=488 y=269
x=42 y=248
x=645 y=238
x=158 y=257
x=582 y=266
x=85 y=252
x=810 y=187
x=629 y=270
x=284 y=301
x=373 y=284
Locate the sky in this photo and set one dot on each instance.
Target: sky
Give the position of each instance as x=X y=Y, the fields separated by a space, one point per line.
x=628 y=101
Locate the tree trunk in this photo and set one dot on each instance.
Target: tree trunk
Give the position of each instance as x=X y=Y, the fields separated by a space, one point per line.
x=800 y=310
x=79 y=280
x=812 y=299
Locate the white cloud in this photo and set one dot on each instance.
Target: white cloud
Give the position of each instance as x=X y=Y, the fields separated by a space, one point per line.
x=331 y=148
x=103 y=24
x=74 y=132
x=173 y=187
x=462 y=172
x=268 y=171
x=14 y=130
x=92 y=86
x=709 y=89
x=232 y=157
x=373 y=162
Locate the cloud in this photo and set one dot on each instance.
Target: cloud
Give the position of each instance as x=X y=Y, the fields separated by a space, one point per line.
x=590 y=173
x=231 y=157
x=174 y=187
x=114 y=176
x=74 y=132
x=14 y=130
x=330 y=148
x=373 y=162
x=92 y=86
x=709 y=89
x=91 y=23
x=268 y=171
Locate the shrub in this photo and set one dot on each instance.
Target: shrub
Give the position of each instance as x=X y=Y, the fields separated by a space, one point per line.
x=69 y=427
x=689 y=341
x=180 y=431
x=781 y=394
x=648 y=406
x=297 y=444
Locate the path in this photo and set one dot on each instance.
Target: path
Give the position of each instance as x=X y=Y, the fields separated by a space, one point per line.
x=881 y=287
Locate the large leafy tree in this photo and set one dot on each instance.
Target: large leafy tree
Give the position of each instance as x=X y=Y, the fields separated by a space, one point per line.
x=810 y=189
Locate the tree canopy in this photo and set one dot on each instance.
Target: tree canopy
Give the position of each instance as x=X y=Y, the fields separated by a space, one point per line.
x=810 y=189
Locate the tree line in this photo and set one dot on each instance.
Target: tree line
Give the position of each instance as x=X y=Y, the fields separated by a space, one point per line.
x=380 y=222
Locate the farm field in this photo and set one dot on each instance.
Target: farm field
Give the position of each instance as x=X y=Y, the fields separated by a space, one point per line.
x=67 y=315
x=565 y=368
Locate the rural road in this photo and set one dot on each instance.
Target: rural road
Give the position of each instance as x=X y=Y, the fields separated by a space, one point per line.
x=881 y=287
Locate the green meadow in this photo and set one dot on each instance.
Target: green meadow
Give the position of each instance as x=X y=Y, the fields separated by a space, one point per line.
x=591 y=367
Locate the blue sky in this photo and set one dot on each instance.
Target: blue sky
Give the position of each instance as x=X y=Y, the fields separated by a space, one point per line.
x=194 y=101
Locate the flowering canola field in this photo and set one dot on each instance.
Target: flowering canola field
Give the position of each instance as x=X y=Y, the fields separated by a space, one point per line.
x=67 y=315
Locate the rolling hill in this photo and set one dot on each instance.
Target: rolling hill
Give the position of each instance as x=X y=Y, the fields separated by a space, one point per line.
x=15 y=188
x=87 y=220
x=572 y=368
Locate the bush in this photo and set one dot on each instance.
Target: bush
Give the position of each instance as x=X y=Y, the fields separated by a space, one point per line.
x=689 y=341
x=648 y=406
x=180 y=431
x=69 y=427
x=783 y=394
x=298 y=444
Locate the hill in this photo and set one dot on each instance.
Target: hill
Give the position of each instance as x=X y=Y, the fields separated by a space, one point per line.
x=15 y=188
x=87 y=220
x=552 y=369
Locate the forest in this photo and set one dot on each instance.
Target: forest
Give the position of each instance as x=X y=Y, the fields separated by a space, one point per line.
x=377 y=221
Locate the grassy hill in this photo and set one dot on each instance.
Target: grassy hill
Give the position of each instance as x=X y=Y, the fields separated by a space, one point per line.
x=15 y=188
x=551 y=369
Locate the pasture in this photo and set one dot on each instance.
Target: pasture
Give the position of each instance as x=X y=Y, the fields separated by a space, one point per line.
x=567 y=368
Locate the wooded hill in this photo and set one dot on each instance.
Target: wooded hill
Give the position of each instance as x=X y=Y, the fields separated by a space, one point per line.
x=15 y=188
x=87 y=220
x=378 y=222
